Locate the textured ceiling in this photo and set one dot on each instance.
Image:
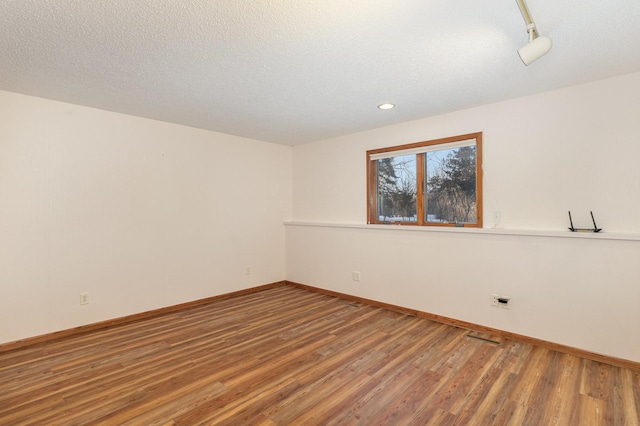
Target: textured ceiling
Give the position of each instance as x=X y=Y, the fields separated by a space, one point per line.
x=292 y=72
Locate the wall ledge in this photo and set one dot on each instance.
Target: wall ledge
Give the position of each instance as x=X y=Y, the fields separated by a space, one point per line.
x=483 y=231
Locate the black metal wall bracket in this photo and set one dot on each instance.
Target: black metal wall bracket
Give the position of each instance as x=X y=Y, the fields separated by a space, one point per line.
x=594 y=229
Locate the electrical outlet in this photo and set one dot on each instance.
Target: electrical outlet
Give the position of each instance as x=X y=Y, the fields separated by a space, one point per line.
x=355 y=276
x=493 y=300
x=84 y=298
x=247 y=270
x=501 y=301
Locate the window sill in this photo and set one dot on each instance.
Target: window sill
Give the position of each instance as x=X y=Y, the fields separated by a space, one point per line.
x=486 y=231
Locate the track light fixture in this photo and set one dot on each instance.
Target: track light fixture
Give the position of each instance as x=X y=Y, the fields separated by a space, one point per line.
x=538 y=45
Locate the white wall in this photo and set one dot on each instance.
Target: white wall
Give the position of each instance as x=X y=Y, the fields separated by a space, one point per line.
x=572 y=149
x=144 y=214
x=138 y=213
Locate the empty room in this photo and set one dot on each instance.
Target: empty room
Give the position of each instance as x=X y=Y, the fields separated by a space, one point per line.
x=319 y=212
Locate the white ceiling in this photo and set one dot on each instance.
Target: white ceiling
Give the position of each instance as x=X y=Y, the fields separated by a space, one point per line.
x=296 y=71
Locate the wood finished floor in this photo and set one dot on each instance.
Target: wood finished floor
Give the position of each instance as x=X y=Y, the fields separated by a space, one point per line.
x=286 y=356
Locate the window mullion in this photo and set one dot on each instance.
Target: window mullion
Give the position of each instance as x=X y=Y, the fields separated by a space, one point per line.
x=420 y=187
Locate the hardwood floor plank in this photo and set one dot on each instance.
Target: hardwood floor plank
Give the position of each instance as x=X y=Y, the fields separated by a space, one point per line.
x=336 y=401
x=493 y=405
x=625 y=402
x=468 y=380
x=249 y=412
x=470 y=407
x=286 y=355
x=563 y=402
x=594 y=409
x=157 y=408
x=597 y=380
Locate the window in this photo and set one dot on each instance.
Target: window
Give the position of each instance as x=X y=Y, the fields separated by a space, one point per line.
x=436 y=183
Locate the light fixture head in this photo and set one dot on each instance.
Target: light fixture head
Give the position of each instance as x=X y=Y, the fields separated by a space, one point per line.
x=538 y=45
x=535 y=49
x=386 y=105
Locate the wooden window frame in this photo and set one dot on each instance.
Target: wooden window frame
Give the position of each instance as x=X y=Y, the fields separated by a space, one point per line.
x=372 y=217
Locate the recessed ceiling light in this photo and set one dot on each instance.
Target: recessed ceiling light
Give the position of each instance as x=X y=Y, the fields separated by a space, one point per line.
x=386 y=106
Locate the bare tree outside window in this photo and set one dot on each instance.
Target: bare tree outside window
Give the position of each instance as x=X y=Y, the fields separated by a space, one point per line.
x=451 y=185
x=397 y=189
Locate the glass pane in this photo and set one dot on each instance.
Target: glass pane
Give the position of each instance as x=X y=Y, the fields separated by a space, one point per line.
x=451 y=186
x=396 y=189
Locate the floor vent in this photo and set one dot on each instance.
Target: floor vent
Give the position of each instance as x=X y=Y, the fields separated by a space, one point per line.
x=483 y=339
